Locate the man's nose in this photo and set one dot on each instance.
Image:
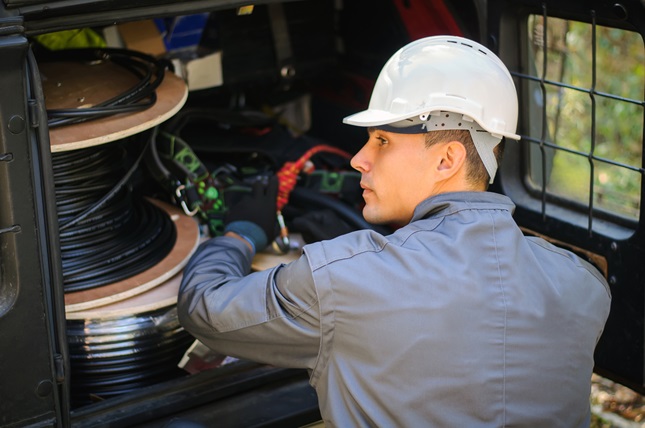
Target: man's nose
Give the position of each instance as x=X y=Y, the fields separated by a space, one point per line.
x=359 y=162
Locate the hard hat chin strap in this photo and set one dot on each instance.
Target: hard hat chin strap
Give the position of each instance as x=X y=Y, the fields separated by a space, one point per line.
x=485 y=143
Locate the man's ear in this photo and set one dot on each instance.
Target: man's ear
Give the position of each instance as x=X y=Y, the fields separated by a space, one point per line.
x=453 y=157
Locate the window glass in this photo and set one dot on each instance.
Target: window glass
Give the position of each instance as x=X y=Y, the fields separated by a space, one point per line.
x=586 y=83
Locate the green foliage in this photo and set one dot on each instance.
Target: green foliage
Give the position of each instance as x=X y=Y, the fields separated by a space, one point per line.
x=597 y=114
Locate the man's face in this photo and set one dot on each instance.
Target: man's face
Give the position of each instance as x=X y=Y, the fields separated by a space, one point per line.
x=396 y=175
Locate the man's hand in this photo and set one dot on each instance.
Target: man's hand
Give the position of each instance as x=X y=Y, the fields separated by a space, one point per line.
x=254 y=216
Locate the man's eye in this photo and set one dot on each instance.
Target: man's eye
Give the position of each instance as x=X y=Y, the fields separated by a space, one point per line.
x=382 y=141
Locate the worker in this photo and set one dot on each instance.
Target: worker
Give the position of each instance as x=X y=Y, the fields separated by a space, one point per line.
x=455 y=319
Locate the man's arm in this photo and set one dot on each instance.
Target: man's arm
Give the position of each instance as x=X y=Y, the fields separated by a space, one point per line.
x=270 y=316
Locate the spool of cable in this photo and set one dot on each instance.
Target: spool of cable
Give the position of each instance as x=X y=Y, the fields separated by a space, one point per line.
x=147 y=71
x=109 y=233
x=113 y=356
x=105 y=95
x=106 y=233
x=119 y=250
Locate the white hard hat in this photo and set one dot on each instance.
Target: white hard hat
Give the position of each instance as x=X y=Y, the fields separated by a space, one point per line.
x=445 y=74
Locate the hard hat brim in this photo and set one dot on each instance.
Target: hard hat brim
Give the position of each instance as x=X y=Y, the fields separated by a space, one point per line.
x=372 y=117
x=367 y=118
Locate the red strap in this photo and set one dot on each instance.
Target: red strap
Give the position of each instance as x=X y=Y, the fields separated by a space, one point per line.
x=288 y=174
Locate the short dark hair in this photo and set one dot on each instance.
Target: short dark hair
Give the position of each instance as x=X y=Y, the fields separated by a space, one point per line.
x=476 y=171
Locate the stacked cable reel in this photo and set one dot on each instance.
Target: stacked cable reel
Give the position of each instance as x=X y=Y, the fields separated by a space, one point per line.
x=121 y=253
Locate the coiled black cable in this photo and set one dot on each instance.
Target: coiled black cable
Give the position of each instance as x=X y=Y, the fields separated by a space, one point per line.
x=148 y=70
x=114 y=356
x=107 y=233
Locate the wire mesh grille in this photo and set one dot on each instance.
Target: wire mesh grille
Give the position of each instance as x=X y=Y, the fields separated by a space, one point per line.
x=551 y=84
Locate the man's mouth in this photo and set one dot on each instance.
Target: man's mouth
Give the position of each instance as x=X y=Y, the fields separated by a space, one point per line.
x=366 y=189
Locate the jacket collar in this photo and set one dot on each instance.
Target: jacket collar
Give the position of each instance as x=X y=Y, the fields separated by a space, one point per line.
x=449 y=203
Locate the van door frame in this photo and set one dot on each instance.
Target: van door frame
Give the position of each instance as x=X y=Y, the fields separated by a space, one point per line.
x=32 y=326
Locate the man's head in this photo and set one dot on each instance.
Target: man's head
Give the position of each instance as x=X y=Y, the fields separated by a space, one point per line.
x=447 y=95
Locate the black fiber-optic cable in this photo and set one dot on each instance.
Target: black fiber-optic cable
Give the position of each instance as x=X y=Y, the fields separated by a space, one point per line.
x=148 y=70
x=113 y=356
x=107 y=233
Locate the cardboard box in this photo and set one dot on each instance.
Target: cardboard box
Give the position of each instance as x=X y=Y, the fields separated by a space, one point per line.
x=142 y=36
x=200 y=73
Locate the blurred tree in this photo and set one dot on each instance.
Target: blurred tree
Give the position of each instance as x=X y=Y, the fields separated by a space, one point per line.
x=593 y=111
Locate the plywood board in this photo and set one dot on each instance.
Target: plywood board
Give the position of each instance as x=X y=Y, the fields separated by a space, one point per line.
x=82 y=84
x=162 y=296
x=173 y=263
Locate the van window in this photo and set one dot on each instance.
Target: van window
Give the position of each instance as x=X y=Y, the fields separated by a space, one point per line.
x=584 y=85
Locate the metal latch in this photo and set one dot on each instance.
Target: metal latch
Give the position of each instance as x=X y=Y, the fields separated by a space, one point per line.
x=11 y=25
x=11 y=229
x=179 y=193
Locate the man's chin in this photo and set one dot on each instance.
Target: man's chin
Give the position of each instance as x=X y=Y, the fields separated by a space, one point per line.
x=372 y=216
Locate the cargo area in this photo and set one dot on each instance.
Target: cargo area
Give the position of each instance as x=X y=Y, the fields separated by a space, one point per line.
x=239 y=95
x=156 y=126
x=147 y=120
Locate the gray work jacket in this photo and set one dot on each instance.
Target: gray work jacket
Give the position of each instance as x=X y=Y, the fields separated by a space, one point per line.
x=455 y=320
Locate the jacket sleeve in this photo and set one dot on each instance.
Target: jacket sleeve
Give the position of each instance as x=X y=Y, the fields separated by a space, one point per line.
x=270 y=316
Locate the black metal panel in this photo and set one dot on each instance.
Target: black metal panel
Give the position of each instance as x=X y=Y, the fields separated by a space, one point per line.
x=41 y=17
x=241 y=394
x=31 y=366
